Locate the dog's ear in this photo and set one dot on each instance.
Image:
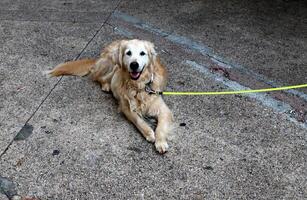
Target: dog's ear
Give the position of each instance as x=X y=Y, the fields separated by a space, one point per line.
x=151 y=50
x=121 y=50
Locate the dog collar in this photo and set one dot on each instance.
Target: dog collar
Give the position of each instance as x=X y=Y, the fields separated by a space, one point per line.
x=148 y=88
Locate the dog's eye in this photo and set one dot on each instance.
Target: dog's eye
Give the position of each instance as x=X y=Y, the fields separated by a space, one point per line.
x=142 y=53
x=128 y=53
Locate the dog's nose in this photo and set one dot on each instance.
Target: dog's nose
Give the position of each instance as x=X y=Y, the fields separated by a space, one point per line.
x=134 y=66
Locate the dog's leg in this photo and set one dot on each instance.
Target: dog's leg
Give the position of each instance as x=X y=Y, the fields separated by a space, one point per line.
x=141 y=125
x=165 y=123
x=105 y=80
x=77 y=68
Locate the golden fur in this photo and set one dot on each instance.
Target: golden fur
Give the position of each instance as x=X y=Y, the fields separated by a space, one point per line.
x=113 y=75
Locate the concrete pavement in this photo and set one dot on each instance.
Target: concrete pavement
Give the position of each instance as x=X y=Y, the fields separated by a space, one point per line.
x=74 y=145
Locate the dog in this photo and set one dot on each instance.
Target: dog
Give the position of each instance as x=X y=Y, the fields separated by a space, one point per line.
x=133 y=72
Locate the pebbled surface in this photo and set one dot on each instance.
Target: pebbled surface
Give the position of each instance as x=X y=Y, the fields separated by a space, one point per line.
x=27 y=49
x=80 y=147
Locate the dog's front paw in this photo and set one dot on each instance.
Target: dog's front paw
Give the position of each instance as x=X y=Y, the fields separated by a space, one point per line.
x=106 y=87
x=161 y=146
x=150 y=137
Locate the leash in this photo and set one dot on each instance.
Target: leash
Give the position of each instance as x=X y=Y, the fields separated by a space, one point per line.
x=230 y=92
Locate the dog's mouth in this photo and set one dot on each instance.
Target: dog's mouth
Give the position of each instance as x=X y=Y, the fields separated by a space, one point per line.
x=135 y=75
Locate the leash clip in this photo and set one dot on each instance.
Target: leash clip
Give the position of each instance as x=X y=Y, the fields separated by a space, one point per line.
x=148 y=88
x=151 y=91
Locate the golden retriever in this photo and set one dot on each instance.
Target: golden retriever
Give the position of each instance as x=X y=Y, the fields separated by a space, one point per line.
x=132 y=71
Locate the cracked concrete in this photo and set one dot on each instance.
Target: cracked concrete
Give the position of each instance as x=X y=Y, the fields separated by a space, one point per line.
x=224 y=147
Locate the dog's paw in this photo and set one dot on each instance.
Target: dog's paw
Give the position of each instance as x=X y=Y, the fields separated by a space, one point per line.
x=105 y=87
x=150 y=137
x=48 y=73
x=161 y=146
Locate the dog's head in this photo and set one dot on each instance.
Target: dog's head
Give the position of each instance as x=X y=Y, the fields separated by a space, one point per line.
x=135 y=56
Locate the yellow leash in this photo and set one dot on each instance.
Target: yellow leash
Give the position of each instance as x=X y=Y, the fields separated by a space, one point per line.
x=236 y=92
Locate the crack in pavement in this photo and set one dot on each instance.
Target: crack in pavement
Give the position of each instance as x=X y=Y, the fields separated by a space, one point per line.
x=58 y=82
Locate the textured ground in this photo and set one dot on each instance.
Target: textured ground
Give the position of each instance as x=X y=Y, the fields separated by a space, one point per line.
x=63 y=138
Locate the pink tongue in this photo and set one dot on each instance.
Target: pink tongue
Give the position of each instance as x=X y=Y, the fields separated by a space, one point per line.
x=135 y=74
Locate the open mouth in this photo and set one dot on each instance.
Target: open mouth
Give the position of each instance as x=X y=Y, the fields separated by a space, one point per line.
x=135 y=75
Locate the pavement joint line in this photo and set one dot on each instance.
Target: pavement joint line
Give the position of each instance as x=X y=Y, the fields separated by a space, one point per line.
x=60 y=79
x=204 y=50
x=71 y=22
x=263 y=98
x=53 y=10
x=50 y=11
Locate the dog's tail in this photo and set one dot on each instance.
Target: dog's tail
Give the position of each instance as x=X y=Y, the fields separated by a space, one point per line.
x=76 y=68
